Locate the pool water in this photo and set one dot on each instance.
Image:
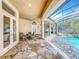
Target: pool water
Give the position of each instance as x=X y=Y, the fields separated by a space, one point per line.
x=73 y=41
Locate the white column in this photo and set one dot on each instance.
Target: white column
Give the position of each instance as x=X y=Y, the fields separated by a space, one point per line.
x=54 y=29
x=50 y=28
x=42 y=28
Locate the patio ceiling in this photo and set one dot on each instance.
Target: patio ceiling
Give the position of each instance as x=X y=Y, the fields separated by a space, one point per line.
x=30 y=9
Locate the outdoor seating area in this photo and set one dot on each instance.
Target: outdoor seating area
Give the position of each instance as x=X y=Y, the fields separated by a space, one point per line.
x=25 y=36
x=29 y=36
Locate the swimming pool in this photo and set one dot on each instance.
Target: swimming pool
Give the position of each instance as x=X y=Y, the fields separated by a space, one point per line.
x=73 y=41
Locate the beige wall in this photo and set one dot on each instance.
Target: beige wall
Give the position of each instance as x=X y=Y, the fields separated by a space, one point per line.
x=25 y=25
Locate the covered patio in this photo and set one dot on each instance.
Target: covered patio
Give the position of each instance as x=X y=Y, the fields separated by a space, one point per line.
x=44 y=29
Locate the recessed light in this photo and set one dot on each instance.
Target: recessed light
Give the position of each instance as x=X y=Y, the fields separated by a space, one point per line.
x=29 y=5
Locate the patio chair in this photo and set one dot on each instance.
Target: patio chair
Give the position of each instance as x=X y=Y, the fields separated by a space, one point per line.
x=29 y=36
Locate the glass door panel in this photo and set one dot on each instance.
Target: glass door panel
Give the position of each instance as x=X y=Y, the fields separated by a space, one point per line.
x=6 y=32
